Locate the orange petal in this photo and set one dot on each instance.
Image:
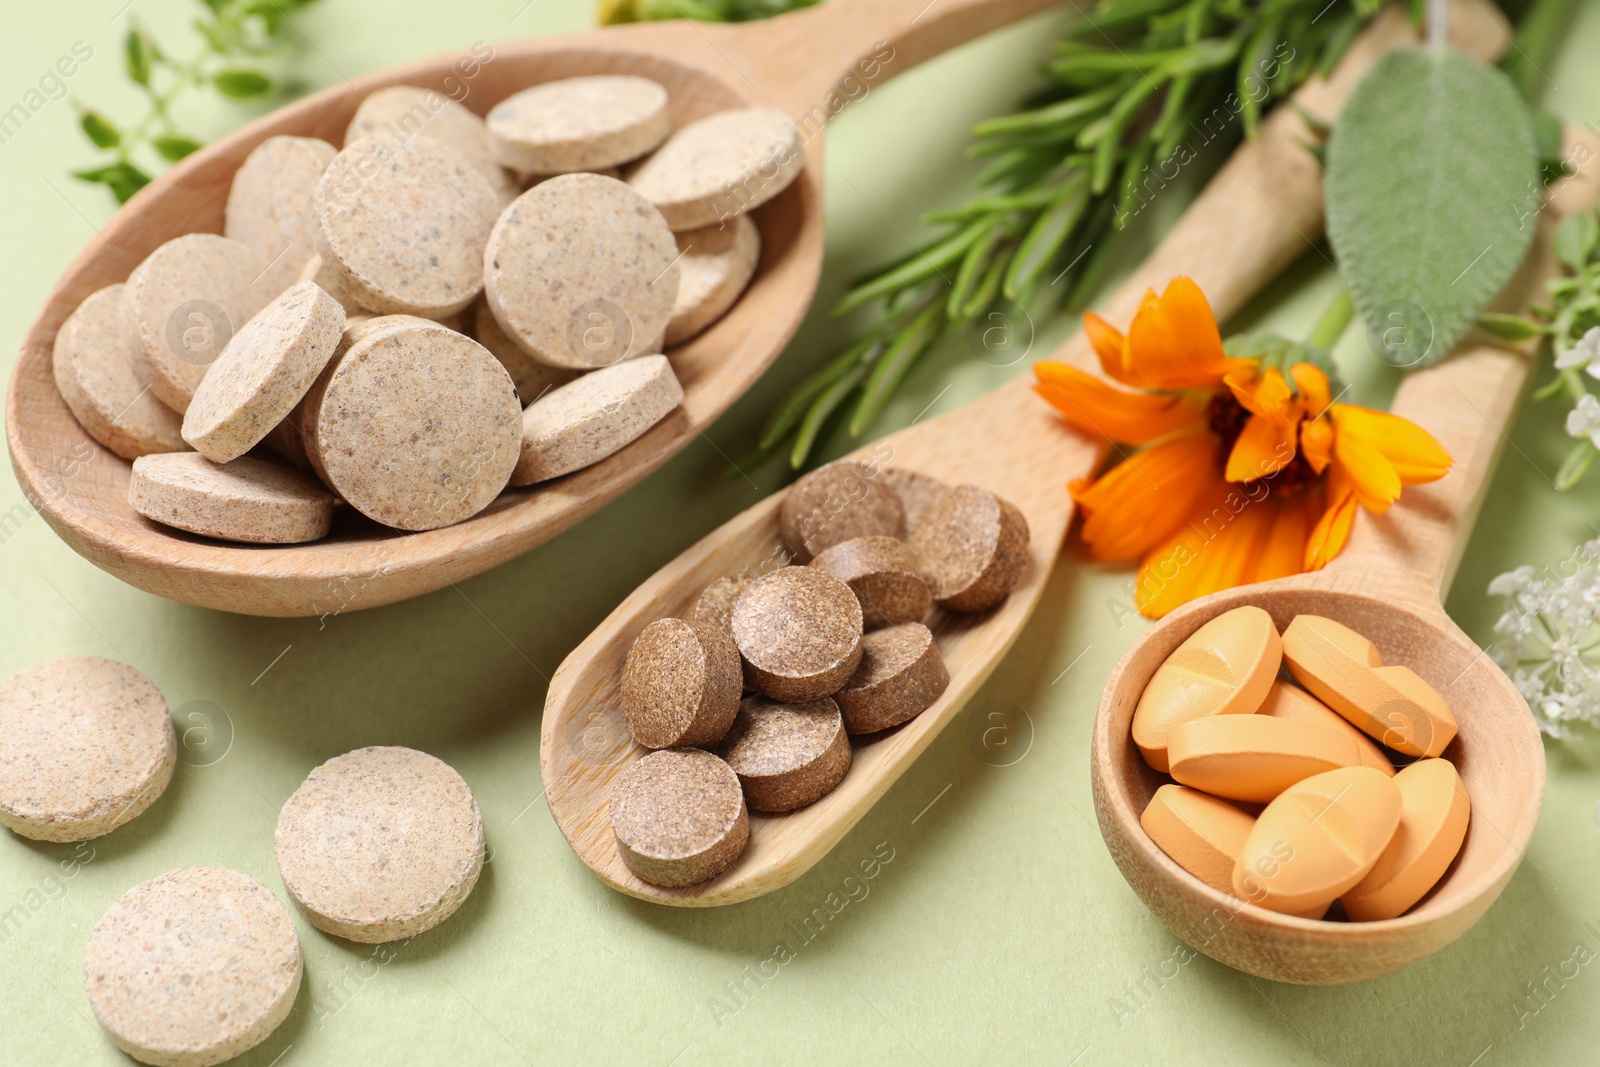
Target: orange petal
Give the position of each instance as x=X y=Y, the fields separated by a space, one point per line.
x=1316 y=440
x=1333 y=528
x=1264 y=447
x=1174 y=342
x=1285 y=550
x=1111 y=346
x=1313 y=386
x=1095 y=407
x=1368 y=471
x=1263 y=393
x=1142 y=500
x=1413 y=453
x=1217 y=549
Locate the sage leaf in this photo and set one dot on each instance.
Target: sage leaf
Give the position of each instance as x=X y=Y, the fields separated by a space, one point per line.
x=1576 y=238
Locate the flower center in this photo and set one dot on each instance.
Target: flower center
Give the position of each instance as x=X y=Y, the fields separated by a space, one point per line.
x=1226 y=418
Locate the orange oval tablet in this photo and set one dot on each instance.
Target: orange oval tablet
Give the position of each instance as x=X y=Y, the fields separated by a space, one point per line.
x=1223 y=668
x=1434 y=811
x=1202 y=834
x=1253 y=757
x=1286 y=701
x=1317 y=840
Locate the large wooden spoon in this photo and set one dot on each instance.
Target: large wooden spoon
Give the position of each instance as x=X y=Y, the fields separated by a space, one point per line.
x=1253 y=219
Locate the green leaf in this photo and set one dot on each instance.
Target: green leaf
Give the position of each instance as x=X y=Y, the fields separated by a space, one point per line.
x=1509 y=327
x=1431 y=192
x=174 y=147
x=100 y=130
x=242 y=84
x=1576 y=465
x=124 y=179
x=136 y=55
x=1576 y=238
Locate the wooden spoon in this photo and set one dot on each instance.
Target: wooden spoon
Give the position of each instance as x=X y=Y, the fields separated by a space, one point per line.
x=1252 y=220
x=809 y=63
x=1388 y=584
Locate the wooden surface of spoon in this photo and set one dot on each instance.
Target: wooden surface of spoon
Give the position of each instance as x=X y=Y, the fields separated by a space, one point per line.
x=1252 y=220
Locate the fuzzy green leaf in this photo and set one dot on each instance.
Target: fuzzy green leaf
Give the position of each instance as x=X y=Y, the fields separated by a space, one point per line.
x=1509 y=327
x=1431 y=185
x=174 y=147
x=242 y=84
x=100 y=130
x=1576 y=238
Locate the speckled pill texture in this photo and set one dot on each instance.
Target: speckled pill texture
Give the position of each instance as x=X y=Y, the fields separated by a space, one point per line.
x=714 y=605
x=269 y=205
x=787 y=755
x=594 y=416
x=250 y=500
x=680 y=684
x=380 y=844
x=193 y=967
x=85 y=745
x=916 y=491
x=331 y=281
x=533 y=378
x=679 y=816
x=407 y=111
x=971 y=547
x=900 y=676
x=578 y=124
x=718 y=262
x=721 y=166
x=836 y=503
x=882 y=573
x=799 y=631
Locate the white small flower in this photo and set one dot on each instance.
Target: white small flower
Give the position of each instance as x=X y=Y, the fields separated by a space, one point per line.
x=1584 y=418
x=1585 y=354
x=1547 y=636
x=1512 y=582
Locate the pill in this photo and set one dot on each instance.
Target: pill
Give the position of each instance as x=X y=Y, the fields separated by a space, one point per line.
x=269 y=205
x=406 y=111
x=247 y=499
x=787 y=755
x=900 y=675
x=532 y=377
x=262 y=374
x=679 y=816
x=1317 y=839
x=581 y=272
x=836 y=503
x=85 y=745
x=971 y=547
x=1287 y=701
x=413 y=424
x=405 y=222
x=187 y=299
x=1226 y=667
x=332 y=282
x=883 y=575
x=594 y=416
x=1254 y=757
x=1200 y=833
x=1392 y=705
x=916 y=491
x=192 y=967
x=799 y=631
x=93 y=364
x=681 y=684
x=717 y=263
x=380 y=844
x=578 y=124
x=1434 y=812
x=721 y=166
x=714 y=606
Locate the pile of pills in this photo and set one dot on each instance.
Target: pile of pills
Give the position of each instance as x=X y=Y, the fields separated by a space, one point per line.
x=444 y=308
x=1289 y=796
x=749 y=701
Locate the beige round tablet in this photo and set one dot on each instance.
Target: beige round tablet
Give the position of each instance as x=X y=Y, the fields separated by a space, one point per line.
x=405 y=111
x=93 y=363
x=331 y=281
x=187 y=300
x=714 y=605
x=971 y=547
x=837 y=503
x=413 y=424
x=85 y=745
x=248 y=499
x=594 y=416
x=900 y=676
x=263 y=373
x=581 y=272
x=787 y=755
x=882 y=574
x=679 y=816
x=269 y=206
x=721 y=166
x=680 y=684
x=193 y=967
x=916 y=491
x=380 y=844
x=578 y=124
x=799 y=631
x=405 y=222
x=532 y=377
x=718 y=262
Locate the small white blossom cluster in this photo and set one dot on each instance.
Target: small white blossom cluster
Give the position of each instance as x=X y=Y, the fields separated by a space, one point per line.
x=1548 y=639
x=1584 y=418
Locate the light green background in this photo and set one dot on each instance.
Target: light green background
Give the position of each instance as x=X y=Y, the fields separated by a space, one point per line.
x=1000 y=930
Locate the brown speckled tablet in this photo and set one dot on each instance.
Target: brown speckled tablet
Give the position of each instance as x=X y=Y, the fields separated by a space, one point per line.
x=714 y=605
x=592 y=417
x=405 y=222
x=799 y=631
x=718 y=261
x=883 y=575
x=269 y=206
x=380 y=844
x=679 y=816
x=581 y=272
x=916 y=491
x=248 y=499
x=971 y=547
x=787 y=755
x=93 y=363
x=85 y=745
x=331 y=281
x=187 y=300
x=531 y=377
x=680 y=684
x=263 y=373
x=578 y=124
x=721 y=166
x=836 y=503
x=900 y=676
x=193 y=967
x=413 y=424
x=405 y=111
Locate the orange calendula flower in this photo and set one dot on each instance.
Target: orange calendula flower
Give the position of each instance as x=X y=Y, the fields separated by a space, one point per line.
x=1247 y=470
